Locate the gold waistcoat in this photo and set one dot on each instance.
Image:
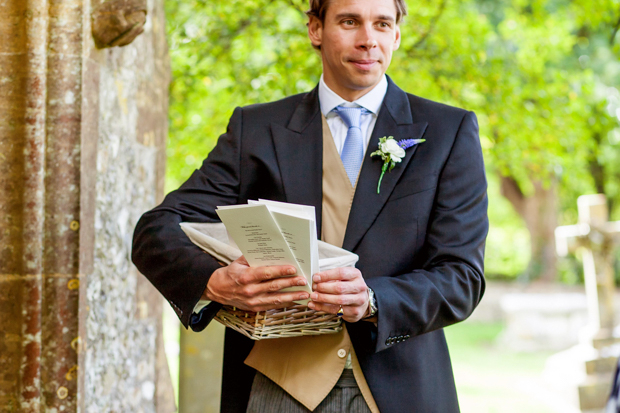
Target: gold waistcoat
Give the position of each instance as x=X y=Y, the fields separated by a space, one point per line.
x=309 y=367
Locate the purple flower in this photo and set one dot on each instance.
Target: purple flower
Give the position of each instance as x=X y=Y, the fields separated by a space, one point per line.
x=408 y=143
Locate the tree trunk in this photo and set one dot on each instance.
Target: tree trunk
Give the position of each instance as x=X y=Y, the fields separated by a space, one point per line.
x=539 y=212
x=598 y=172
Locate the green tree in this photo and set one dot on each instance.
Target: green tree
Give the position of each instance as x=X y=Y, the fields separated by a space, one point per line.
x=226 y=54
x=542 y=126
x=540 y=75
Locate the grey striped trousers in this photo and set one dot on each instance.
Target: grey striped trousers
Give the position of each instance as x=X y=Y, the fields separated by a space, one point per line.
x=268 y=397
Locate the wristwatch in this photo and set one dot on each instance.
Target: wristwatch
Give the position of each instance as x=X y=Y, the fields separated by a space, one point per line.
x=372 y=303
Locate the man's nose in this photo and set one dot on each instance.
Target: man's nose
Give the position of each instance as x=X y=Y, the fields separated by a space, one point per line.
x=366 y=38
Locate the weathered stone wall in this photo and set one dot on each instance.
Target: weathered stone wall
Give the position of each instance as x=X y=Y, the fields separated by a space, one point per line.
x=82 y=151
x=123 y=319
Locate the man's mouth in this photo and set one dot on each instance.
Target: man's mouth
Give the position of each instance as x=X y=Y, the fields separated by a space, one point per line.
x=364 y=64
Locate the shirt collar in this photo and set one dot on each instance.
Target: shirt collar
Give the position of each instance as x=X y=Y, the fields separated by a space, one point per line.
x=328 y=99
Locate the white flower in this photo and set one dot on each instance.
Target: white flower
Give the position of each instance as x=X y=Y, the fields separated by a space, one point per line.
x=392 y=152
x=390 y=146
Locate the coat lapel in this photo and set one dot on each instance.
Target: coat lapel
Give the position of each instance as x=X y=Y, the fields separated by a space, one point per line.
x=299 y=151
x=394 y=120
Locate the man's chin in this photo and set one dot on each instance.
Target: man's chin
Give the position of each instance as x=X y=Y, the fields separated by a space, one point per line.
x=365 y=82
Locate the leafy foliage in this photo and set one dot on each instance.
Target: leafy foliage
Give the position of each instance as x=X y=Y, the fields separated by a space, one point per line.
x=540 y=74
x=226 y=54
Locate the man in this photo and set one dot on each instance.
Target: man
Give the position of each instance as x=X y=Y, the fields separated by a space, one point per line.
x=420 y=235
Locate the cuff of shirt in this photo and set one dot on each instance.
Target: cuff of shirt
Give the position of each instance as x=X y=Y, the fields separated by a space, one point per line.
x=199 y=320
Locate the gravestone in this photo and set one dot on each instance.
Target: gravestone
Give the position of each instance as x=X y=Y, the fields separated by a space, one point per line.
x=585 y=371
x=542 y=321
x=595 y=238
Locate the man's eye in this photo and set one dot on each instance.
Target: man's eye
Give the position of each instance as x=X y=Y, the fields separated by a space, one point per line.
x=349 y=22
x=384 y=25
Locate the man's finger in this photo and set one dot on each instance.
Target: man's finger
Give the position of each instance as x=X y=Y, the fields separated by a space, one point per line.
x=271 y=272
x=343 y=299
x=337 y=274
x=273 y=286
x=328 y=308
x=253 y=275
x=339 y=287
x=278 y=300
x=349 y=313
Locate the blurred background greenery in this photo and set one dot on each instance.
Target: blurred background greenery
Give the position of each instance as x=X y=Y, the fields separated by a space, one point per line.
x=541 y=75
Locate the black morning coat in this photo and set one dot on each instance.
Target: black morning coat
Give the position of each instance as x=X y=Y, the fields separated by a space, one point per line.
x=420 y=241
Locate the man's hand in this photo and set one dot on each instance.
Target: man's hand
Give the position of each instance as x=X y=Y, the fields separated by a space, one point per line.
x=340 y=287
x=254 y=288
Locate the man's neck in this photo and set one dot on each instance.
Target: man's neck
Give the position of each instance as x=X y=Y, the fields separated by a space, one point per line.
x=372 y=100
x=350 y=95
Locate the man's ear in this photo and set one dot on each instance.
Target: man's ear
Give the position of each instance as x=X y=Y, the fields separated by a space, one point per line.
x=315 y=31
x=397 y=39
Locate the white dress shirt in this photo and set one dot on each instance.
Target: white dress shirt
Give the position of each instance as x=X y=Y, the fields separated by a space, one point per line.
x=328 y=99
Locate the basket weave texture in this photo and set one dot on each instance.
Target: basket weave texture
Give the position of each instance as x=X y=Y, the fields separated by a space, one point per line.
x=294 y=321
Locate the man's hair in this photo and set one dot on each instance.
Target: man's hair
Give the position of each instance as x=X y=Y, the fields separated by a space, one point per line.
x=318 y=8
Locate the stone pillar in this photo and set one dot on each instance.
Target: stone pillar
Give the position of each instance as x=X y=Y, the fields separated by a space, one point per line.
x=39 y=203
x=82 y=138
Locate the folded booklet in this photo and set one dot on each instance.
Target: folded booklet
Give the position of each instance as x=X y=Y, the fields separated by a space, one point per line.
x=269 y=233
x=274 y=233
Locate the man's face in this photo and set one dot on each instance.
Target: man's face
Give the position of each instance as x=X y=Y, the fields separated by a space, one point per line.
x=357 y=39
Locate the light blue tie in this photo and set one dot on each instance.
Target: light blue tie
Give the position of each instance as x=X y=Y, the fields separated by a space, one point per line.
x=353 y=149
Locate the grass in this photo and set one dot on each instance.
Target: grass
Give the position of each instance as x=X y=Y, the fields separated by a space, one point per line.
x=493 y=379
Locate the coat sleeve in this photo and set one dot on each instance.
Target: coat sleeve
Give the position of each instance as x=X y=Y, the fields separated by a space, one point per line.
x=450 y=283
x=161 y=250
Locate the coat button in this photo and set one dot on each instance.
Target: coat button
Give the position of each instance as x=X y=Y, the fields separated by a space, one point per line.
x=342 y=353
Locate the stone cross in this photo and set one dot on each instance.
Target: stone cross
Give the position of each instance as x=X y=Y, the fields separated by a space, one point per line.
x=596 y=237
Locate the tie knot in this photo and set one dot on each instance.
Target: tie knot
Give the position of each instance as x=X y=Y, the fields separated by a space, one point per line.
x=351 y=116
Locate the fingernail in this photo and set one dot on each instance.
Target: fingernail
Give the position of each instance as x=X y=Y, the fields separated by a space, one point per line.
x=291 y=271
x=317 y=278
x=314 y=286
x=301 y=282
x=303 y=296
x=311 y=305
x=314 y=296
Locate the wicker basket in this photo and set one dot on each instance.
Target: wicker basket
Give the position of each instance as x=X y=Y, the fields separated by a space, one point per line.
x=294 y=321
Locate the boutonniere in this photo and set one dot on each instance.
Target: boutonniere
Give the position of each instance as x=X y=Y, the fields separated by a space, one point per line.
x=392 y=152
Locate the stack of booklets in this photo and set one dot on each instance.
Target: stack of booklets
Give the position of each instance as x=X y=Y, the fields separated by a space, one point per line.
x=269 y=233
